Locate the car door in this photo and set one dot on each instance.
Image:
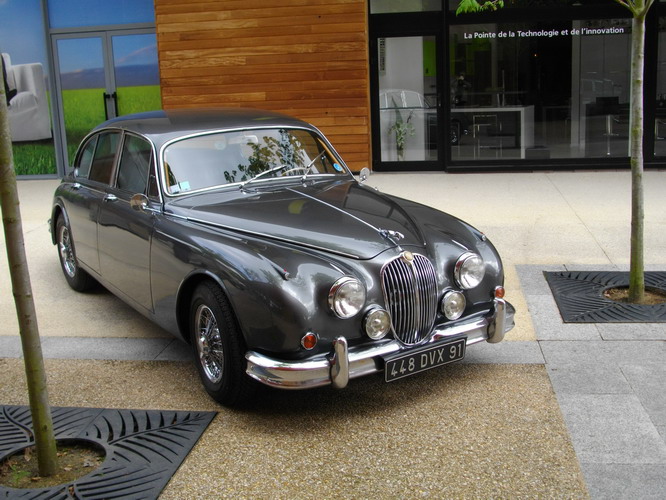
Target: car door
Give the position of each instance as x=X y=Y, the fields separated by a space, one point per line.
x=125 y=233
x=93 y=172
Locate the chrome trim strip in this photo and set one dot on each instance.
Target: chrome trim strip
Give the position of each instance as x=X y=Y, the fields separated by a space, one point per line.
x=347 y=363
x=267 y=236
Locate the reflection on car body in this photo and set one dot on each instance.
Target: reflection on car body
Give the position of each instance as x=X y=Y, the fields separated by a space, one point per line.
x=245 y=234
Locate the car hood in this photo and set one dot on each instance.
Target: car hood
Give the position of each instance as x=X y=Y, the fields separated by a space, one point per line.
x=342 y=217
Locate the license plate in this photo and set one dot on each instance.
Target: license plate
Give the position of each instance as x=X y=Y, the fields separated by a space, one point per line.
x=419 y=360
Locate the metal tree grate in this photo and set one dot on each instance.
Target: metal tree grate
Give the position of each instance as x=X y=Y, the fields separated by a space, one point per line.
x=144 y=448
x=579 y=297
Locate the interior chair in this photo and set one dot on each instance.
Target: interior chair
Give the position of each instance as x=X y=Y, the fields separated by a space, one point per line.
x=486 y=131
x=28 y=107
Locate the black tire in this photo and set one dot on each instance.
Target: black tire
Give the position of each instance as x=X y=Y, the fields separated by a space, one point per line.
x=218 y=347
x=77 y=278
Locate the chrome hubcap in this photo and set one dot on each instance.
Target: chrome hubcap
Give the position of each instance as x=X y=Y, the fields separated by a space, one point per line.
x=209 y=344
x=66 y=252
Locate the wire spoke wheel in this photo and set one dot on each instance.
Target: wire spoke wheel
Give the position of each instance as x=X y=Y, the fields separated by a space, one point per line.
x=67 y=258
x=218 y=346
x=76 y=277
x=209 y=344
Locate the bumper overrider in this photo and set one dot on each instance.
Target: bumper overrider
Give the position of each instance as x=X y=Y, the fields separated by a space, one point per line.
x=345 y=363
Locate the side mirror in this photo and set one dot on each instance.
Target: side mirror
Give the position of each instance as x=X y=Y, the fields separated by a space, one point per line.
x=364 y=174
x=139 y=202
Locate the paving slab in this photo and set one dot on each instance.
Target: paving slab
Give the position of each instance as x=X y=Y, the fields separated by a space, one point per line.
x=633 y=331
x=648 y=381
x=611 y=429
x=575 y=353
x=619 y=482
x=589 y=379
x=548 y=323
x=108 y=348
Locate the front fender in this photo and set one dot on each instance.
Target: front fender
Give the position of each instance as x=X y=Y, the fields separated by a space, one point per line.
x=277 y=291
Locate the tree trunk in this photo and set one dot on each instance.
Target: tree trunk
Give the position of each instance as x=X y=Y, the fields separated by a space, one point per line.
x=25 y=307
x=637 y=265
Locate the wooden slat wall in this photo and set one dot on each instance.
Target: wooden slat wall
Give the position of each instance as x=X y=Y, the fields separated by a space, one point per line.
x=306 y=58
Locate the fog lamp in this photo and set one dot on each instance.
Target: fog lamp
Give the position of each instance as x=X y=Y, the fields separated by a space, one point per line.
x=377 y=323
x=453 y=304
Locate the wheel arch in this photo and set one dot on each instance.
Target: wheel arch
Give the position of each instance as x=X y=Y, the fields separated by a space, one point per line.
x=184 y=298
x=57 y=212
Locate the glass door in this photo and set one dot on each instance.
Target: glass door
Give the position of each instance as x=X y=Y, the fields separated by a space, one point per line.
x=408 y=100
x=136 y=73
x=101 y=75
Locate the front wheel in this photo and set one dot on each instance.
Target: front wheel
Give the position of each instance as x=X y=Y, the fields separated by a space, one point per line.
x=76 y=277
x=218 y=347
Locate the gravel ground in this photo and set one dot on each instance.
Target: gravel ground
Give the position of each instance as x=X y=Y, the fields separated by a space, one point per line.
x=463 y=431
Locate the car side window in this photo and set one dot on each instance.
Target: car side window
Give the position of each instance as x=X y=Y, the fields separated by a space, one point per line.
x=104 y=157
x=84 y=160
x=135 y=162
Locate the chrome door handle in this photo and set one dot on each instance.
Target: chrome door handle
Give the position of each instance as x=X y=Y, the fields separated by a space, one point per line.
x=110 y=197
x=76 y=186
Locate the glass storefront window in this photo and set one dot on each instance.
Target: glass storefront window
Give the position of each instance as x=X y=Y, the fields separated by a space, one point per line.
x=540 y=90
x=660 y=113
x=522 y=4
x=80 y=13
x=408 y=98
x=395 y=6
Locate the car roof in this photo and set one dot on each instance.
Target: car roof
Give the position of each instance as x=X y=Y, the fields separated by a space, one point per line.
x=165 y=125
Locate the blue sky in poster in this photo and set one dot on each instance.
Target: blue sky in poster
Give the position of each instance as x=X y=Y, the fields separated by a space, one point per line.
x=22 y=31
x=76 y=13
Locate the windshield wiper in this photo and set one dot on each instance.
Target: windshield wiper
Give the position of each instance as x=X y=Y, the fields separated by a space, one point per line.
x=307 y=169
x=262 y=174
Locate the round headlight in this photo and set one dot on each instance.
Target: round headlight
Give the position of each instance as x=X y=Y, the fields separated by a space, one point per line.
x=453 y=304
x=469 y=271
x=377 y=324
x=346 y=297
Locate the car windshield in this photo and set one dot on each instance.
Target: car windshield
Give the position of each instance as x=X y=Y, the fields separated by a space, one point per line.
x=240 y=157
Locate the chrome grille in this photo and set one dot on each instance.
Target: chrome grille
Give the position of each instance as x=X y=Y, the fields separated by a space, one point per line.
x=410 y=292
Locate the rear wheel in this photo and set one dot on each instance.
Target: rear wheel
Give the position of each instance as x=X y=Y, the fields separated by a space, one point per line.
x=218 y=346
x=76 y=277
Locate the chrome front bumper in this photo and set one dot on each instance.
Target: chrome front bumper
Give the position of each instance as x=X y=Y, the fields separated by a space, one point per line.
x=345 y=362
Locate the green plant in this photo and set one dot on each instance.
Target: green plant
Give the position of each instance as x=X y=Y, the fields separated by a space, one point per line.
x=402 y=129
x=17 y=474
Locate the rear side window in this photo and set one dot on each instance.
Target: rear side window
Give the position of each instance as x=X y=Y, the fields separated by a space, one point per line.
x=85 y=157
x=135 y=165
x=104 y=157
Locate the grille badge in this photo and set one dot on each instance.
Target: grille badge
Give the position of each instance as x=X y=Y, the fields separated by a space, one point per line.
x=408 y=256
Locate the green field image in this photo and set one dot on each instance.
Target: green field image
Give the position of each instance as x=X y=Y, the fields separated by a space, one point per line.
x=83 y=110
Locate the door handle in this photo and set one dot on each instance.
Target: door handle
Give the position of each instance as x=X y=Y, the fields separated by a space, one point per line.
x=105 y=97
x=110 y=197
x=114 y=96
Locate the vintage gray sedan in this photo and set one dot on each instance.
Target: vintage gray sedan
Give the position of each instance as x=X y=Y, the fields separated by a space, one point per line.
x=245 y=234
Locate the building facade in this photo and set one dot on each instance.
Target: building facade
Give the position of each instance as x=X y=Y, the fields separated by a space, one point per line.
x=397 y=85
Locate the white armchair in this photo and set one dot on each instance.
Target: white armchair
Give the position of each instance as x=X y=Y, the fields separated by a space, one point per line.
x=28 y=110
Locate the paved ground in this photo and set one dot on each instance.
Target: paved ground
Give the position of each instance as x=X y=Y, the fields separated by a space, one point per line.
x=556 y=411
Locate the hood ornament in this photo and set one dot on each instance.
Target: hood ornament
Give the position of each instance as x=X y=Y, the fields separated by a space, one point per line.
x=393 y=236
